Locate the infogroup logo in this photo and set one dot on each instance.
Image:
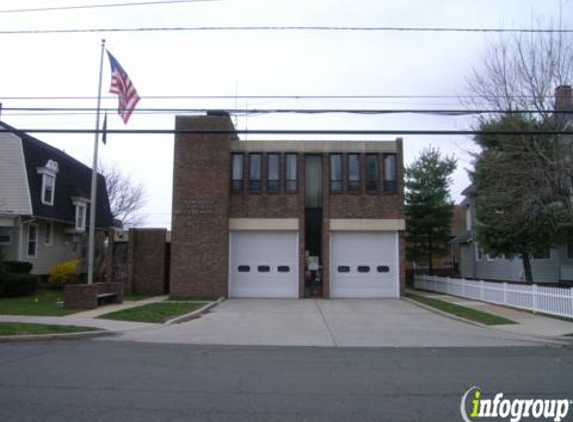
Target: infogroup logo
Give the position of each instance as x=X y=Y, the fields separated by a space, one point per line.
x=514 y=409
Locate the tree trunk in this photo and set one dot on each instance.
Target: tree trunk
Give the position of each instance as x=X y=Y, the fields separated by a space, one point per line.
x=527 y=268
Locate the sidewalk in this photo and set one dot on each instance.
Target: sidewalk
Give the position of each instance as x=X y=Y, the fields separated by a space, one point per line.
x=527 y=323
x=89 y=318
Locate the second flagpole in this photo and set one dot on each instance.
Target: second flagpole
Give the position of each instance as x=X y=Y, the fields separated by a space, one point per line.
x=93 y=199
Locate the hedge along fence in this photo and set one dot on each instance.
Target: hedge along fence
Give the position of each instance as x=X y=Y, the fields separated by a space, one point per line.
x=15 y=279
x=550 y=300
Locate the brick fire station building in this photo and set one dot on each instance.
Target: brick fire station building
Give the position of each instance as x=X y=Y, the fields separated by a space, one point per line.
x=285 y=218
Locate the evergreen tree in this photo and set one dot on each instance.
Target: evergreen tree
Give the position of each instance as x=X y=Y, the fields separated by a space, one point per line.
x=429 y=209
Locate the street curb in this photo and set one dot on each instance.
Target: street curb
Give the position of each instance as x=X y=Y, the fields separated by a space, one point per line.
x=195 y=314
x=555 y=340
x=63 y=336
x=446 y=314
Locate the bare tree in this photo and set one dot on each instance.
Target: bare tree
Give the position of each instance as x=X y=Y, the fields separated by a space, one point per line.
x=126 y=196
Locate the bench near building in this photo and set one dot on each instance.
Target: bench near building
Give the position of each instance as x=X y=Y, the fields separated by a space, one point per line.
x=284 y=218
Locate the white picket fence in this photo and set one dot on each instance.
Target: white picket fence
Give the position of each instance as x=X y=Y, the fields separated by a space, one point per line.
x=550 y=300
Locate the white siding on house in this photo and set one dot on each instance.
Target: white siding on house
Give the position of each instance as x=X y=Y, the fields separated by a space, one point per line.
x=60 y=251
x=14 y=192
x=544 y=270
x=467 y=263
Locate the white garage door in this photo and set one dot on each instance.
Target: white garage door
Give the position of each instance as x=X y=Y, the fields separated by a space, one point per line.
x=364 y=264
x=263 y=264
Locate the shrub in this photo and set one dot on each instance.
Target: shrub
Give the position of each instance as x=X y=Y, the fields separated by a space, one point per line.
x=15 y=284
x=18 y=267
x=64 y=273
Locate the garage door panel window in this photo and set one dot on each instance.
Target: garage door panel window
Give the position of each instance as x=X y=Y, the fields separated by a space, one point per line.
x=363 y=269
x=283 y=269
x=263 y=268
x=243 y=268
x=383 y=269
x=343 y=269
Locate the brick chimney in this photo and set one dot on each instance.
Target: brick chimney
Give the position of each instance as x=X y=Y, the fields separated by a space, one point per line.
x=564 y=98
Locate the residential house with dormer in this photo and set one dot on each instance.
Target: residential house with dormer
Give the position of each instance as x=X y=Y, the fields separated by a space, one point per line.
x=44 y=202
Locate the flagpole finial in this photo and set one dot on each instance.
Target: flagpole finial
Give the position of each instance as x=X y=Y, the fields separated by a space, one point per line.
x=103 y=42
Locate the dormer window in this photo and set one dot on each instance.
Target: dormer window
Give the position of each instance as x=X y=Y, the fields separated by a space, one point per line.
x=81 y=205
x=48 y=172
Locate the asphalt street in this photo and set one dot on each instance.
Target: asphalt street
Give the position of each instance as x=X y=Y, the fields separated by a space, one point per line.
x=89 y=380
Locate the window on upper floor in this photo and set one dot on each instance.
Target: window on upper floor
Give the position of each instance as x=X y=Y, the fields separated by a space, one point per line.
x=273 y=172
x=372 y=173
x=81 y=217
x=336 y=172
x=237 y=172
x=48 y=234
x=255 y=171
x=5 y=236
x=48 y=172
x=291 y=179
x=354 y=179
x=390 y=173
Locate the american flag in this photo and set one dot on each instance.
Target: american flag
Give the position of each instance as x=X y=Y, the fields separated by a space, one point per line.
x=124 y=88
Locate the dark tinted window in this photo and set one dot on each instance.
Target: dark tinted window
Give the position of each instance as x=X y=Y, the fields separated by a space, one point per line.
x=254 y=172
x=363 y=269
x=390 y=173
x=383 y=269
x=291 y=173
x=237 y=172
x=273 y=172
x=263 y=268
x=243 y=268
x=353 y=172
x=336 y=172
x=372 y=172
x=343 y=269
x=283 y=269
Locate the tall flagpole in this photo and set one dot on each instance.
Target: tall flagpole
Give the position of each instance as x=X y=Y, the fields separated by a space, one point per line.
x=91 y=241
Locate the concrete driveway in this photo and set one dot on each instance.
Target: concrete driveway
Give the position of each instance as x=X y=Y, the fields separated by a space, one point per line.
x=332 y=322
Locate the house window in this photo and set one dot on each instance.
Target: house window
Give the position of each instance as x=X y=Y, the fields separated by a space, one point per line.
x=291 y=173
x=76 y=245
x=570 y=251
x=390 y=173
x=48 y=234
x=5 y=236
x=335 y=172
x=254 y=172
x=273 y=172
x=545 y=255
x=81 y=217
x=48 y=189
x=479 y=253
x=354 y=173
x=32 y=249
x=372 y=172
x=236 y=172
x=48 y=172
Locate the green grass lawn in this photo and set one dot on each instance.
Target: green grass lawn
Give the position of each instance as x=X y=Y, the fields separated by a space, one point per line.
x=43 y=303
x=16 y=328
x=154 y=312
x=461 y=311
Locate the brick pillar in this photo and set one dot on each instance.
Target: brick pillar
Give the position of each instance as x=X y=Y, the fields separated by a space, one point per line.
x=146 y=261
x=200 y=223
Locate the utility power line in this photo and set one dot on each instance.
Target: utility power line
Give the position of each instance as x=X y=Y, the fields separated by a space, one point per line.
x=292 y=132
x=290 y=29
x=100 y=6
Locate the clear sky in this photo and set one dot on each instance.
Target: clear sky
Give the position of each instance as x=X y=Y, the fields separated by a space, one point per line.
x=251 y=63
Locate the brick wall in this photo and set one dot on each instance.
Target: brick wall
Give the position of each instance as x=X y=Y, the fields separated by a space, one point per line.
x=146 y=261
x=200 y=226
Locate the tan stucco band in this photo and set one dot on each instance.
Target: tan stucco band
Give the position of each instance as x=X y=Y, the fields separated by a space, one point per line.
x=314 y=146
x=353 y=224
x=263 y=224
